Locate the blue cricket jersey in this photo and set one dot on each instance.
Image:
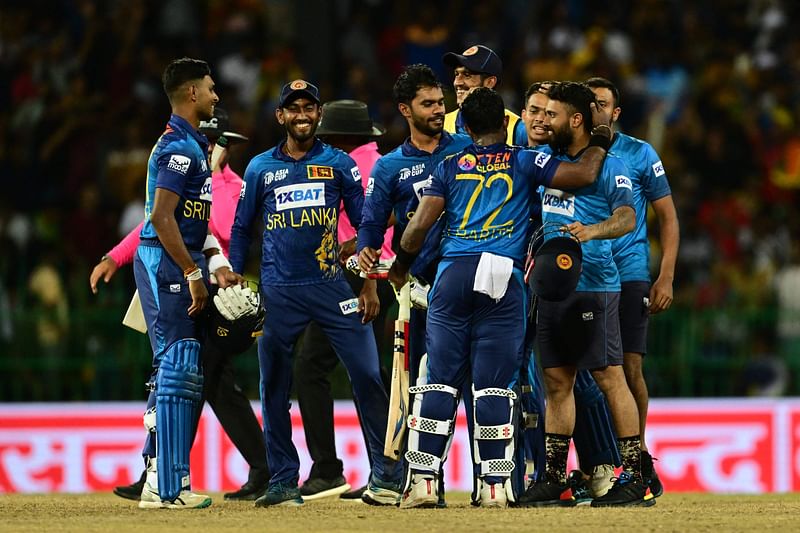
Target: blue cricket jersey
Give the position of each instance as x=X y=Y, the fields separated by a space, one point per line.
x=395 y=185
x=299 y=205
x=179 y=163
x=518 y=136
x=649 y=180
x=590 y=205
x=487 y=192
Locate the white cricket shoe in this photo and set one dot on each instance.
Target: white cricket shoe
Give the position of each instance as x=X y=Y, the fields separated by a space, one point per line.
x=493 y=495
x=188 y=500
x=423 y=491
x=150 y=498
x=602 y=480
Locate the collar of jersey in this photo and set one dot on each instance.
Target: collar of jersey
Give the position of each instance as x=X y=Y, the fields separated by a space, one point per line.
x=409 y=150
x=316 y=149
x=180 y=123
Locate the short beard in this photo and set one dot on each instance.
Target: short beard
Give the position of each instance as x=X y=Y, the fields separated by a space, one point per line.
x=424 y=127
x=561 y=140
x=301 y=138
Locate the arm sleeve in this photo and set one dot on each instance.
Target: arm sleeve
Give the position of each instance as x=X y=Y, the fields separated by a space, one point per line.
x=246 y=210
x=352 y=191
x=122 y=253
x=377 y=208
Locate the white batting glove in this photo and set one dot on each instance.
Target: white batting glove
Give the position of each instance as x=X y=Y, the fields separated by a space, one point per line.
x=235 y=302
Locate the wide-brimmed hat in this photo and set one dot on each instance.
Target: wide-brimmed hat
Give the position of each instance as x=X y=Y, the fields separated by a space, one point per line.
x=347 y=117
x=218 y=126
x=478 y=58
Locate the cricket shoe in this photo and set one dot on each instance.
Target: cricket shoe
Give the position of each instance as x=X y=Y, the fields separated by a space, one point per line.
x=423 y=491
x=547 y=493
x=493 y=495
x=255 y=487
x=281 y=494
x=579 y=487
x=627 y=491
x=602 y=479
x=354 y=495
x=132 y=491
x=318 y=488
x=380 y=492
x=649 y=475
x=150 y=499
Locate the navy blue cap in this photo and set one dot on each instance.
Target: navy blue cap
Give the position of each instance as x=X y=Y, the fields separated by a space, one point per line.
x=478 y=58
x=556 y=268
x=297 y=88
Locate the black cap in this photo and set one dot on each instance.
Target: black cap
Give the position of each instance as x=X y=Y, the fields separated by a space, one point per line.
x=295 y=89
x=219 y=126
x=478 y=58
x=347 y=117
x=556 y=268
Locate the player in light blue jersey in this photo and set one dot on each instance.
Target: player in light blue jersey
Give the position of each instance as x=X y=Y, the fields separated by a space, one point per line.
x=171 y=276
x=477 y=314
x=582 y=331
x=632 y=255
x=296 y=189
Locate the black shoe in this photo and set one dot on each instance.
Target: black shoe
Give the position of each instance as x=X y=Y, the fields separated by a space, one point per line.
x=547 y=493
x=649 y=475
x=626 y=491
x=579 y=487
x=353 y=495
x=256 y=486
x=132 y=491
x=317 y=488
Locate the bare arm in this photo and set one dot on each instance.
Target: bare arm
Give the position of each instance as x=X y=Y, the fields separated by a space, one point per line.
x=163 y=220
x=669 y=232
x=582 y=172
x=621 y=221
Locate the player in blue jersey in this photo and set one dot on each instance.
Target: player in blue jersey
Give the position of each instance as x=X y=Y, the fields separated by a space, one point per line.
x=396 y=182
x=632 y=255
x=296 y=188
x=477 y=313
x=582 y=331
x=479 y=66
x=170 y=270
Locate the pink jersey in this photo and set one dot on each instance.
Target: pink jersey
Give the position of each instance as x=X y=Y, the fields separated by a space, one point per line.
x=365 y=157
x=225 y=188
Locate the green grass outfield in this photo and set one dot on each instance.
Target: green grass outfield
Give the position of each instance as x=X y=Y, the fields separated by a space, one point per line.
x=673 y=512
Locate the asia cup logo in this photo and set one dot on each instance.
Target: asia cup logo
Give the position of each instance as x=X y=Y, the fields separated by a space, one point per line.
x=467 y=162
x=564 y=261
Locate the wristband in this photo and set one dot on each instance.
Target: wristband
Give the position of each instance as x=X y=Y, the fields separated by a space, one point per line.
x=193 y=273
x=405 y=257
x=218 y=261
x=211 y=242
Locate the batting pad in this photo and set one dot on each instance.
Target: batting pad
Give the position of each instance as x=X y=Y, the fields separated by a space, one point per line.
x=179 y=386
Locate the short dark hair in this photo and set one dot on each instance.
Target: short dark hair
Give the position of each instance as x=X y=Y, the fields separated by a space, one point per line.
x=576 y=95
x=597 y=83
x=483 y=111
x=538 y=87
x=412 y=79
x=182 y=70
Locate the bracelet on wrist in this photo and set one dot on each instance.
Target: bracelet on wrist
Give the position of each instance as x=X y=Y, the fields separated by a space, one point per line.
x=192 y=274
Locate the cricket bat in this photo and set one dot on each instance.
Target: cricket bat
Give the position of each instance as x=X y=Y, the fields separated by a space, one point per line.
x=134 y=317
x=398 y=399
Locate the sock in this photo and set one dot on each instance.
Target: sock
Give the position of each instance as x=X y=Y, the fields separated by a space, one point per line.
x=556 y=450
x=630 y=448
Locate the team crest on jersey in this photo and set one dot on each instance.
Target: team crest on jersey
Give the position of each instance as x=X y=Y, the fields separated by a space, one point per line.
x=558 y=202
x=658 y=168
x=205 y=190
x=467 y=162
x=179 y=163
x=541 y=159
x=299 y=195
x=624 y=182
x=317 y=172
x=278 y=175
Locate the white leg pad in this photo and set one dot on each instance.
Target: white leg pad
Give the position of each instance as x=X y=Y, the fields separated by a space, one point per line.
x=495 y=466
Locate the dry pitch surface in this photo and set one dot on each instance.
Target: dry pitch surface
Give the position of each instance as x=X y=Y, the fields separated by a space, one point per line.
x=674 y=512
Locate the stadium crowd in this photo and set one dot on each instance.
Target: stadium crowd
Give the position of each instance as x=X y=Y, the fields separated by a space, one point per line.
x=712 y=84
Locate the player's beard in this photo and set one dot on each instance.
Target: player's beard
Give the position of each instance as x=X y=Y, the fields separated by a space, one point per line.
x=561 y=139
x=429 y=126
x=298 y=135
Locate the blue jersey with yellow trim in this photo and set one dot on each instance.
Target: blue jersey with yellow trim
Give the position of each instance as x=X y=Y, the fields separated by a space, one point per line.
x=590 y=205
x=649 y=180
x=179 y=163
x=517 y=134
x=299 y=205
x=487 y=192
